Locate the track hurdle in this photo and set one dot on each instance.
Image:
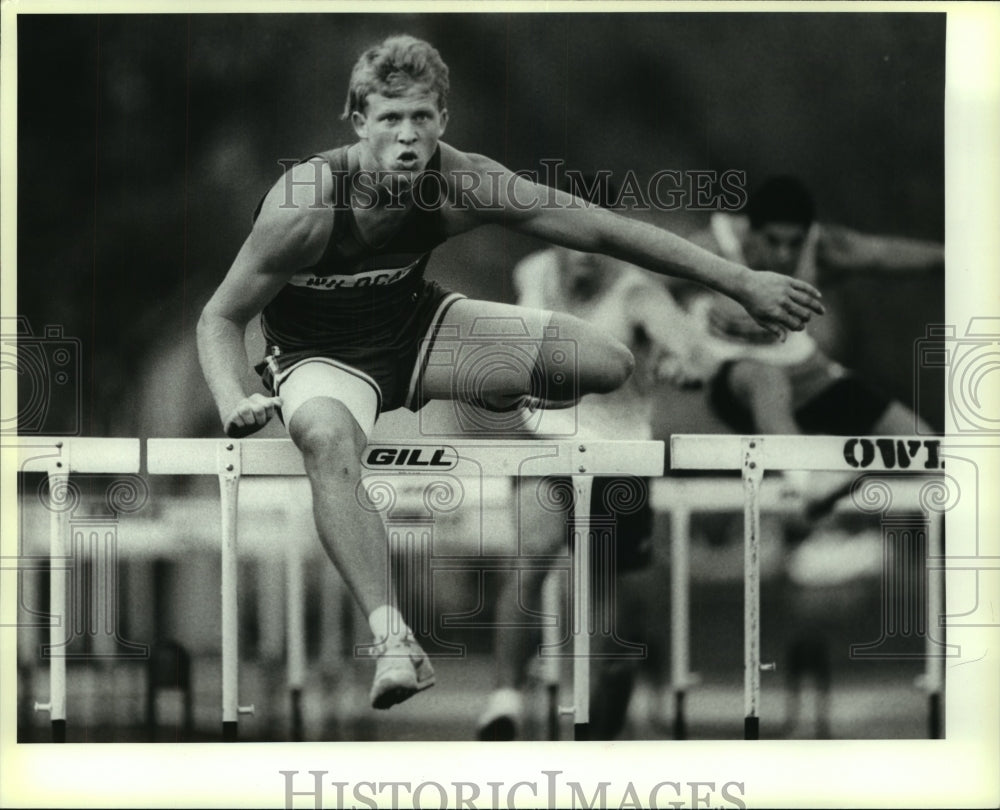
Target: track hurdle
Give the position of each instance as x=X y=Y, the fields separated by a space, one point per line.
x=753 y=455
x=59 y=458
x=231 y=459
x=682 y=497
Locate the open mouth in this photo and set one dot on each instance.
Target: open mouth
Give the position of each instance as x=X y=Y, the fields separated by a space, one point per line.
x=407 y=159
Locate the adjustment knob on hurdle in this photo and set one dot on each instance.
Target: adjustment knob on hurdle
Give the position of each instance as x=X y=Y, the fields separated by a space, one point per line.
x=567 y=710
x=768 y=667
x=43 y=707
x=245 y=709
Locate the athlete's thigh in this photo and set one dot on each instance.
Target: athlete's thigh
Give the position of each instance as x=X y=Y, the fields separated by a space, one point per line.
x=321 y=378
x=483 y=348
x=486 y=348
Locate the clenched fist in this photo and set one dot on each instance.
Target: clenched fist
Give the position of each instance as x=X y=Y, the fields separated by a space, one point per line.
x=250 y=415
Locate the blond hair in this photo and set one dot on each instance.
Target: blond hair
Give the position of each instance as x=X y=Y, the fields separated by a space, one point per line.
x=392 y=67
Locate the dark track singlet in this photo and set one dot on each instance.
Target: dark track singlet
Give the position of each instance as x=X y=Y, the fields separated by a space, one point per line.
x=365 y=306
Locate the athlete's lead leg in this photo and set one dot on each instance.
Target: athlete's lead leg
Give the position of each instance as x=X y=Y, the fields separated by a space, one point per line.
x=352 y=533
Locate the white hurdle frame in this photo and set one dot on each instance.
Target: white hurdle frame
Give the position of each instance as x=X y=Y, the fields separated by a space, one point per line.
x=752 y=455
x=59 y=458
x=231 y=459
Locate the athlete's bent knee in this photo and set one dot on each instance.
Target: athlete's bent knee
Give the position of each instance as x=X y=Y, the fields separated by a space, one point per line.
x=328 y=438
x=617 y=369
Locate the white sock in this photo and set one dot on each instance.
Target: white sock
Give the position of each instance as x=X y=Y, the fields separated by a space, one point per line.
x=386 y=621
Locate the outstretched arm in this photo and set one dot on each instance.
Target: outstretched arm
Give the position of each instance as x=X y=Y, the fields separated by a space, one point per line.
x=840 y=249
x=777 y=302
x=283 y=239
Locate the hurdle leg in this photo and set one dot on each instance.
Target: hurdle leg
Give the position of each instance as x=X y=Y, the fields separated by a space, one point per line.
x=582 y=609
x=296 y=641
x=753 y=474
x=680 y=602
x=935 y=609
x=229 y=456
x=550 y=663
x=58 y=475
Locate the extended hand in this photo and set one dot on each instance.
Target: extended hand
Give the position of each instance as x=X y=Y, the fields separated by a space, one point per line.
x=728 y=319
x=779 y=303
x=250 y=415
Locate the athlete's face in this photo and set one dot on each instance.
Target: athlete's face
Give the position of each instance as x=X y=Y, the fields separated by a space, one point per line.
x=775 y=246
x=399 y=135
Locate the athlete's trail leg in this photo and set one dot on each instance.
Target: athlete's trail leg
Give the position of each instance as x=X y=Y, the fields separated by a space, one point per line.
x=498 y=354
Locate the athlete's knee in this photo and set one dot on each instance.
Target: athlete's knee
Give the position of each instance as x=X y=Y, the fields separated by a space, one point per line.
x=329 y=438
x=625 y=363
x=600 y=363
x=618 y=366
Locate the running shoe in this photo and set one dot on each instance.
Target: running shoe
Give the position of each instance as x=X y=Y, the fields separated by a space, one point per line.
x=401 y=670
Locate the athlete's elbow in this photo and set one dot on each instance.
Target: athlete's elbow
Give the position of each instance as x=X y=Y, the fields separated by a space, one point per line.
x=207 y=321
x=213 y=322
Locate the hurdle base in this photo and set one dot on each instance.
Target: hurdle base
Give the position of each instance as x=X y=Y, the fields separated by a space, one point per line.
x=297 y=722
x=58 y=731
x=751 y=728
x=229 y=730
x=581 y=731
x=936 y=716
x=552 y=714
x=680 y=724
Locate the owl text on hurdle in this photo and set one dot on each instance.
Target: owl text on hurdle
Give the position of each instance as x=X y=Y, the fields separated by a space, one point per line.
x=893 y=453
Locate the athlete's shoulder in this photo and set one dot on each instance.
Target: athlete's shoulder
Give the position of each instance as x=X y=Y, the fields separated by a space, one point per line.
x=296 y=216
x=477 y=188
x=453 y=160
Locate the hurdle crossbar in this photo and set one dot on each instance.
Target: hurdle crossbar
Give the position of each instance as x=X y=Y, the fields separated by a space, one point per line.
x=582 y=460
x=820 y=453
x=491 y=457
x=753 y=455
x=59 y=458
